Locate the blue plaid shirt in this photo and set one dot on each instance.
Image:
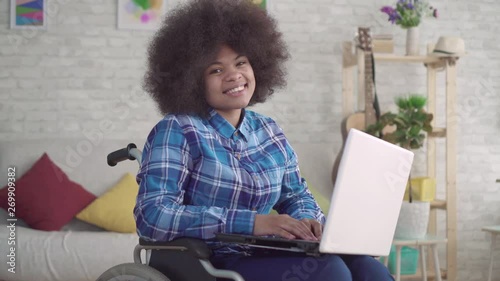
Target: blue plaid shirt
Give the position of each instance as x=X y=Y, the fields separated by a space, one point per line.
x=201 y=176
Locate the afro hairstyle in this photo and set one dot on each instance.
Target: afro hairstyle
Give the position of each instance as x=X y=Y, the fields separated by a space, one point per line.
x=189 y=40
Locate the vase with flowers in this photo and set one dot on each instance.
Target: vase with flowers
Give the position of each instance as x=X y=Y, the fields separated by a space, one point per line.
x=408 y=14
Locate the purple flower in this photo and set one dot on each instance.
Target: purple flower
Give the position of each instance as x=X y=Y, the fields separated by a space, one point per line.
x=394 y=17
x=392 y=13
x=388 y=10
x=408 y=13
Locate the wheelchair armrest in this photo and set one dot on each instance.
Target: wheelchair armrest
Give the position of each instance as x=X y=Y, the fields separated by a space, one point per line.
x=196 y=247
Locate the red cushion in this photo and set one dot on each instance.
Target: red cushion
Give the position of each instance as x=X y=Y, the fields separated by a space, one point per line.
x=45 y=198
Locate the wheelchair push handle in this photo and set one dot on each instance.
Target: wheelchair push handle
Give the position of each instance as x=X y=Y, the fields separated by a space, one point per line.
x=128 y=153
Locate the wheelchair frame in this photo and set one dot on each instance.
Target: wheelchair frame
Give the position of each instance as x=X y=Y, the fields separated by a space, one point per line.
x=196 y=248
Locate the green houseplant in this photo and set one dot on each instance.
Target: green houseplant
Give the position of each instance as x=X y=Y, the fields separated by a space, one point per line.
x=410 y=123
x=407 y=129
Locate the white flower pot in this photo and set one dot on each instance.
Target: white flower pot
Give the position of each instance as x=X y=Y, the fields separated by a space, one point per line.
x=412 y=46
x=413 y=220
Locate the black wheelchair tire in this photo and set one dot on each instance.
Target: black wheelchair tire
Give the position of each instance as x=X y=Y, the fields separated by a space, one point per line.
x=132 y=272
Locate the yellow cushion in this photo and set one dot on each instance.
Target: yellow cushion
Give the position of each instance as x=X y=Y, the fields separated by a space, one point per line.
x=113 y=210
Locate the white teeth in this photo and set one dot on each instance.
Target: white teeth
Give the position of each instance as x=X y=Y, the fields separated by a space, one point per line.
x=234 y=90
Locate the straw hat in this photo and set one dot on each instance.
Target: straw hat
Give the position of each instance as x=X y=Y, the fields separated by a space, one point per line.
x=449 y=46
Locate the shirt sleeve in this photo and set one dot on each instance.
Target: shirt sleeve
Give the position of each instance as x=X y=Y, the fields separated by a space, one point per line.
x=160 y=212
x=296 y=200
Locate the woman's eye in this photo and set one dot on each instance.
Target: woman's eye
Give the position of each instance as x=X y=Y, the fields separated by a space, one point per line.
x=215 y=71
x=241 y=63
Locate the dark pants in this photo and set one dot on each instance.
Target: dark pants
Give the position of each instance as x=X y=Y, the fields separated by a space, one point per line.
x=289 y=266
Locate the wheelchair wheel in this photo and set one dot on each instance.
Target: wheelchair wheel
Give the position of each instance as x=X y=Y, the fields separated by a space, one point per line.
x=132 y=272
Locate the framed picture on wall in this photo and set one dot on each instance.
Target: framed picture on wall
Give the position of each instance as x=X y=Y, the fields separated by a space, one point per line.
x=28 y=14
x=140 y=14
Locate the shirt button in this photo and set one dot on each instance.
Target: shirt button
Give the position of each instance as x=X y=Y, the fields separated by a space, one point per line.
x=236 y=133
x=238 y=156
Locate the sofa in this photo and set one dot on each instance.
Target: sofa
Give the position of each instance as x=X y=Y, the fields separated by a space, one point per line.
x=78 y=250
x=70 y=248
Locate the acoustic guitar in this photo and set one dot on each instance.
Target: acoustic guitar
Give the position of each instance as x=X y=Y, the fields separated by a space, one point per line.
x=361 y=120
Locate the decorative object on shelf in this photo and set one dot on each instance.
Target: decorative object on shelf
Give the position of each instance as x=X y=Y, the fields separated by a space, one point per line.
x=408 y=14
x=423 y=189
x=28 y=14
x=408 y=260
x=383 y=43
x=406 y=128
x=449 y=46
x=140 y=14
x=360 y=120
x=409 y=123
x=412 y=39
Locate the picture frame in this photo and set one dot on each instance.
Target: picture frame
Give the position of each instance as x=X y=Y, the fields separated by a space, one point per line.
x=140 y=14
x=28 y=14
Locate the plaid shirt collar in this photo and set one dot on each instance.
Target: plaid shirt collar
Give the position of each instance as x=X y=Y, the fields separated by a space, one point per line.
x=226 y=129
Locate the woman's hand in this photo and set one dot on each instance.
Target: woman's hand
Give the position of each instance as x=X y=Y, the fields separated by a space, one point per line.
x=314 y=226
x=286 y=227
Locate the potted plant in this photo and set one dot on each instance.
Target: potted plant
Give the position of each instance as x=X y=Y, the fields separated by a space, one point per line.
x=407 y=129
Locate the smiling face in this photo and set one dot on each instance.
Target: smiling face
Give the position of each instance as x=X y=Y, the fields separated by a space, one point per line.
x=229 y=84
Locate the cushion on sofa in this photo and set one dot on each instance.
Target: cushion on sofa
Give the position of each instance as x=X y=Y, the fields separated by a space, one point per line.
x=114 y=209
x=45 y=198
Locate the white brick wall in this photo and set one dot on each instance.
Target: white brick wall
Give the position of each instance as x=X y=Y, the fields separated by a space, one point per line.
x=83 y=71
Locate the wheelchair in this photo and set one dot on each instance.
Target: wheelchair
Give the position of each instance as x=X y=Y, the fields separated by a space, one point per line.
x=182 y=259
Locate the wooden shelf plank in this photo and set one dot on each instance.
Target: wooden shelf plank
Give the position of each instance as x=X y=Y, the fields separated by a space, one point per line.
x=493 y=228
x=427 y=240
x=405 y=59
x=418 y=276
x=438 y=133
x=438 y=204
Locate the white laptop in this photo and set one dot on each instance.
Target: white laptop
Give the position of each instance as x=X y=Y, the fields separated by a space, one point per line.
x=365 y=202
